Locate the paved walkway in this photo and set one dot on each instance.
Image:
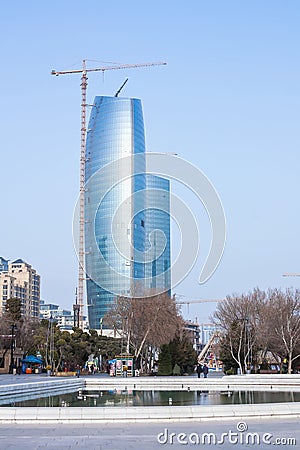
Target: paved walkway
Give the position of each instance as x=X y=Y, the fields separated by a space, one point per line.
x=24 y=378
x=145 y=436
x=30 y=378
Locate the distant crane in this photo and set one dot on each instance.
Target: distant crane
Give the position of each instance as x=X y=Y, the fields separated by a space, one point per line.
x=204 y=300
x=191 y=302
x=291 y=275
x=81 y=248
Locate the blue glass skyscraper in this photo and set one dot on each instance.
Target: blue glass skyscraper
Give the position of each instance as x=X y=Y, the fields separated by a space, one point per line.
x=115 y=132
x=157 y=220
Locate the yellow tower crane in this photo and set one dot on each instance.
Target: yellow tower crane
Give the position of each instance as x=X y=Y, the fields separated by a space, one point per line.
x=81 y=249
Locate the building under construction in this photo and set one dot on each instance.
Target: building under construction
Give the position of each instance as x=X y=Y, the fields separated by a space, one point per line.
x=98 y=312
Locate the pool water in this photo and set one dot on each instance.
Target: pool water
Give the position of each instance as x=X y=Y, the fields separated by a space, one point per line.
x=119 y=398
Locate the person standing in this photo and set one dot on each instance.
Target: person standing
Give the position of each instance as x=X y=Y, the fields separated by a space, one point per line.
x=205 y=370
x=199 y=370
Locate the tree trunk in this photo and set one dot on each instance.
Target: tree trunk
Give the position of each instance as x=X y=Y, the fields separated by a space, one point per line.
x=290 y=363
x=137 y=354
x=238 y=358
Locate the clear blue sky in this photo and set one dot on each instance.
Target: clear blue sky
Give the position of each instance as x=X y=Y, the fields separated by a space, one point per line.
x=228 y=101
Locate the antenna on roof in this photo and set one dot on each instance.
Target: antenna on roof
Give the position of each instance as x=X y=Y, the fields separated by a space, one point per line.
x=118 y=92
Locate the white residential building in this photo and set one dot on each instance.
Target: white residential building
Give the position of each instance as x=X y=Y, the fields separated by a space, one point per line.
x=63 y=317
x=19 y=280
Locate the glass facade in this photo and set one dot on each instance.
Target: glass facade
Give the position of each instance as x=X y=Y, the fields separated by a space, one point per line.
x=158 y=270
x=116 y=131
x=3 y=264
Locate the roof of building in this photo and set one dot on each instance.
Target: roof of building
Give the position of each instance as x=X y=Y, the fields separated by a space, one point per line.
x=19 y=261
x=48 y=306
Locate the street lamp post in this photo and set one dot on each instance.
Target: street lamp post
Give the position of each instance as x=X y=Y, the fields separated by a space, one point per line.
x=12 y=345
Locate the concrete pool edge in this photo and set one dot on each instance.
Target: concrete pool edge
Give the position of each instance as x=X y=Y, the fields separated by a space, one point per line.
x=146 y=414
x=265 y=383
x=38 y=388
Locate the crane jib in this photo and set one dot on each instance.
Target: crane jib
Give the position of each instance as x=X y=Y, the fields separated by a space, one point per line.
x=103 y=69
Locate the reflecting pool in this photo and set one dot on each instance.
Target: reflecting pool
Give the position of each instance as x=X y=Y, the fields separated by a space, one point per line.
x=119 y=398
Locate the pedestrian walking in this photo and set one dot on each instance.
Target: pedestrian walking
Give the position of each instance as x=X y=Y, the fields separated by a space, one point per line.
x=205 y=370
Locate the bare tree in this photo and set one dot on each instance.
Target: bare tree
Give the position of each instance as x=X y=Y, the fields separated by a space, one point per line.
x=283 y=324
x=148 y=321
x=24 y=328
x=5 y=339
x=260 y=322
x=238 y=319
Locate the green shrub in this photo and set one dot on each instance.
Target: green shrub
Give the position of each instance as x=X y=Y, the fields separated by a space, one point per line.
x=164 y=361
x=176 y=370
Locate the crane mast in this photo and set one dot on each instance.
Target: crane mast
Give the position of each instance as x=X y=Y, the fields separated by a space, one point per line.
x=81 y=245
